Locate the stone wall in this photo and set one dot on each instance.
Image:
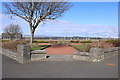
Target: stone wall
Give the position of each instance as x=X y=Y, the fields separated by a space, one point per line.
x=81 y=55
x=96 y=54
x=111 y=52
x=22 y=54
x=38 y=55
x=9 y=53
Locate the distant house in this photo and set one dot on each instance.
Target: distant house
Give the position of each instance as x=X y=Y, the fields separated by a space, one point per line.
x=5 y=36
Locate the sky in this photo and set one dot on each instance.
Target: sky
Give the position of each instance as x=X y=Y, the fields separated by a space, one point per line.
x=85 y=19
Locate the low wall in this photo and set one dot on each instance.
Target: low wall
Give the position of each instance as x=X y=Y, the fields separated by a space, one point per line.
x=96 y=54
x=81 y=55
x=9 y=53
x=22 y=54
x=111 y=52
x=38 y=55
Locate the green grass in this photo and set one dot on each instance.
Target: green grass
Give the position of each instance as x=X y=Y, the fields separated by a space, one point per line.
x=40 y=41
x=83 y=48
x=40 y=47
x=86 y=41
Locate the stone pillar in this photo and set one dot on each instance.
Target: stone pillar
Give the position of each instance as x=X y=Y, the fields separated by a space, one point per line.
x=96 y=54
x=23 y=53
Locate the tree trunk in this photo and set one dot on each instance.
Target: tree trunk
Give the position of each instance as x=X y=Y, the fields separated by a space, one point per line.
x=11 y=37
x=31 y=38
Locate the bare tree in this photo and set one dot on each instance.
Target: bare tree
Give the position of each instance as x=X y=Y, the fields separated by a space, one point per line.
x=36 y=12
x=12 y=30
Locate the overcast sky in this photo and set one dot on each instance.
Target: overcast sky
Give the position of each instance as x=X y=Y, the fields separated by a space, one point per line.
x=87 y=19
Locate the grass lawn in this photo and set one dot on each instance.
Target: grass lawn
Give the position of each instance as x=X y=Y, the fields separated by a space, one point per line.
x=40 y=47
x=81 y=47
x=39 y=41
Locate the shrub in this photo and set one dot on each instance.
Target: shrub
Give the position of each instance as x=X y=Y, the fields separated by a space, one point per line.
x=116 y=43
x=5 y=40
x=12 y=45
x=86 y=41
x=111 y=41
x=40 y=47
x=53 y=42
x=34 y=41
x=101 y=44
x=74 y=41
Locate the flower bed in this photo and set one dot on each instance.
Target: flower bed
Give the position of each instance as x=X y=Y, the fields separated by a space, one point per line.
x=12 y=45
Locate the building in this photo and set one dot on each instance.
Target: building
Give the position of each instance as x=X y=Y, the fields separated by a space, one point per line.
x=5 y=36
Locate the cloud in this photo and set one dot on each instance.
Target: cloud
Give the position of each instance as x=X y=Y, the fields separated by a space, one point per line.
x=0 y=23
x=8 y=19
x=62 y=28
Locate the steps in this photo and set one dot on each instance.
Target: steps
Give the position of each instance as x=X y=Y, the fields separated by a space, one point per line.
x=53 y=57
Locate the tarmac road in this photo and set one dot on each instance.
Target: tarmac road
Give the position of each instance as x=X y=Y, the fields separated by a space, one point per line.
x=60 y=69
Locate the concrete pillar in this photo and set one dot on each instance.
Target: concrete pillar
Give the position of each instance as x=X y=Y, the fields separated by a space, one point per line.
x=96 y=54
x=23 y=53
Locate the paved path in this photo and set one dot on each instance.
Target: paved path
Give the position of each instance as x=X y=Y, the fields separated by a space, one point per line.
x=60 y=69
x=59 y=57
x=60 y=50
x=0 y=65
